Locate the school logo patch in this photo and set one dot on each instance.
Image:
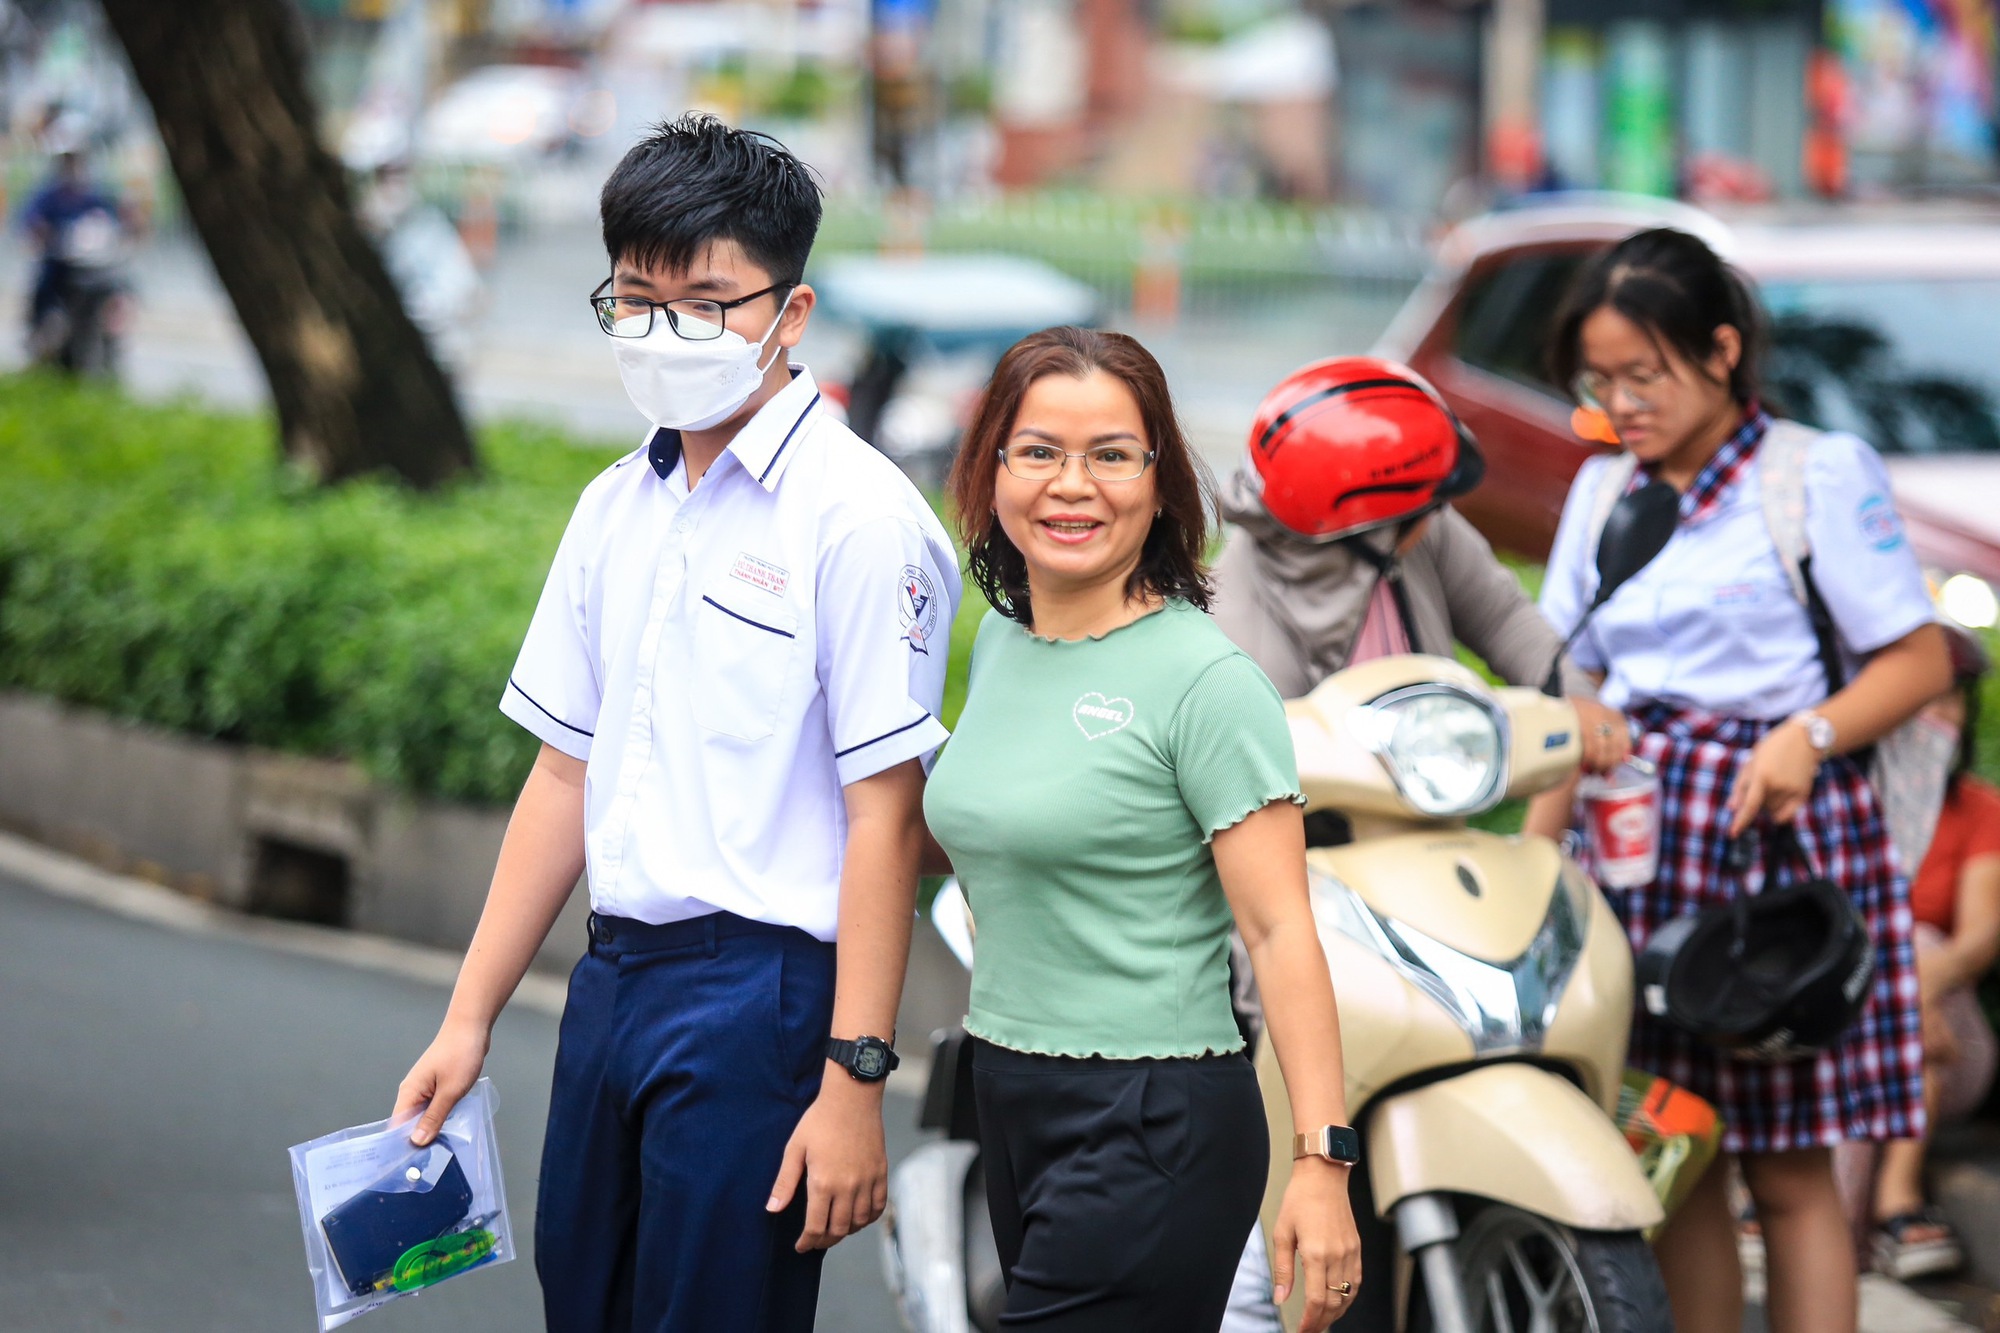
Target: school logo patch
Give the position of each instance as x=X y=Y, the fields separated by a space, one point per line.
x=1879 y=523
x=917 y=606
x=1097 y=717
x=760 y=573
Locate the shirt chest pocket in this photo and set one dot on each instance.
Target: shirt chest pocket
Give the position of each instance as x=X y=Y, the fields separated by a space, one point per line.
x=743 y=658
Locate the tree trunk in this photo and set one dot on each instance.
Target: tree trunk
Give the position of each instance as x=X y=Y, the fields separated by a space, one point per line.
x=356 y=388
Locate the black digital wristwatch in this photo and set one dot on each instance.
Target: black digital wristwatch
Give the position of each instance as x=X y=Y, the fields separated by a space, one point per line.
x=867 y=1059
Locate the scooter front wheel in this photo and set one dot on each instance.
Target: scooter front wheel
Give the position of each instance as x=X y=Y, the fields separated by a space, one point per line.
x=1521 y=1272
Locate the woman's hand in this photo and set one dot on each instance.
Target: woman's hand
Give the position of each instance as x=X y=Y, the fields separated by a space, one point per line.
x=1315 y=1240
x=1940 y=1045
x=442 y=1075
x=1777 y=779
x=1606 y=736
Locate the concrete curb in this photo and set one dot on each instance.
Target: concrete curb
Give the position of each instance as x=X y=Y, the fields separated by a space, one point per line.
x=67 y=877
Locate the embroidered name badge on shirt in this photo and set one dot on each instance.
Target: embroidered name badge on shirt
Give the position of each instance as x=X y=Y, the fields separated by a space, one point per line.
x=760 y=573
x=916 y=606
x=1097 y=717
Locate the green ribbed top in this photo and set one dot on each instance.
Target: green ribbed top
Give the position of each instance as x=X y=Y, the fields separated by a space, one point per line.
x=1077 y=799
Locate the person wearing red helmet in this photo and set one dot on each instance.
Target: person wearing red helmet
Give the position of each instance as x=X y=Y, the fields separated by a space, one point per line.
x=1346 y=546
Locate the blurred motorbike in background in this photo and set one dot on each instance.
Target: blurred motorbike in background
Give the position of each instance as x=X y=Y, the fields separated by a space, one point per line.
x=81 y=329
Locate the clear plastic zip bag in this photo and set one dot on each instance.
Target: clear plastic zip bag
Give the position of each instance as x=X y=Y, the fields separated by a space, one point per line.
x=385 y=1219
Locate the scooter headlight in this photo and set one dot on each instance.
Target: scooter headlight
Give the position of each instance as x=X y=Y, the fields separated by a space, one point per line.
x=1445 y=747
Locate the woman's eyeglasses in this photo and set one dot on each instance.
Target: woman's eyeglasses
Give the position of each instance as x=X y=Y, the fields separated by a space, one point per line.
x=1106 y=462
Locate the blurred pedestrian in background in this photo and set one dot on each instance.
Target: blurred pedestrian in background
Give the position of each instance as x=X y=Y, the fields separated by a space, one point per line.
x=426 y=259
x=1956 y=899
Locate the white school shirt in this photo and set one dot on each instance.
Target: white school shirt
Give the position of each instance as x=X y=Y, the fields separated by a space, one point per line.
x=1712 y=622
x=727 y=659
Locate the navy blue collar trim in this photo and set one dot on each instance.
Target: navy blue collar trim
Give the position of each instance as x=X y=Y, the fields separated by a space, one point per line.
x=786 y=443
x=663 y=451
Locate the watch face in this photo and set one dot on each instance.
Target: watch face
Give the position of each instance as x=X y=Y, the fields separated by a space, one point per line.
x=871 y=1062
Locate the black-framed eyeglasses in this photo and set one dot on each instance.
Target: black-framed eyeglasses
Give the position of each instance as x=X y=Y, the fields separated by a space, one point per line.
x=694 y=319
x=1106 y=462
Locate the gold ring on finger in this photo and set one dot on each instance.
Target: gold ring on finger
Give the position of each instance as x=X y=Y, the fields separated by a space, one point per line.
x=1341 y=1288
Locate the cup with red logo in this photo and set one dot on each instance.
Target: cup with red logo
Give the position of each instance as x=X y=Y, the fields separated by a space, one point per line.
x=1621 y=824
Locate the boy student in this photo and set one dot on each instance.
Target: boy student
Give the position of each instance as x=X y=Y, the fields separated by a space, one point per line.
x=735 y=671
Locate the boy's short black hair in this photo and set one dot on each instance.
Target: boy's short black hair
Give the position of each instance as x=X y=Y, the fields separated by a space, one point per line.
x=695 y=181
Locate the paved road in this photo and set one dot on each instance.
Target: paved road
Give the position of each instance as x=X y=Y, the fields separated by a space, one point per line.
x=150 y=1082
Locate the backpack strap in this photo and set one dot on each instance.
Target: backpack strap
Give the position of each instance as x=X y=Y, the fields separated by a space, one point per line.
x=1611 y=484
x=1781 y=479
x=1781 y=476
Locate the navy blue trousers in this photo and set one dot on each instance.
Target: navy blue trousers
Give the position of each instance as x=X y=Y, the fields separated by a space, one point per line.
x=687 y=1055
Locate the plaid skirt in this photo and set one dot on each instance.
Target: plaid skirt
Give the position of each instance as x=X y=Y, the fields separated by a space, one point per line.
x=1870 y=1086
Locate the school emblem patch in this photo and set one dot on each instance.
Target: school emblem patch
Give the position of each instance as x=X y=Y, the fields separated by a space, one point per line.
x=916 y=605
x=1879 y=524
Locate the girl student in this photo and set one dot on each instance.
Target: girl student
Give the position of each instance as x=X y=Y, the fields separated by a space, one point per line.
x=1716 y=659
x=1120 y=787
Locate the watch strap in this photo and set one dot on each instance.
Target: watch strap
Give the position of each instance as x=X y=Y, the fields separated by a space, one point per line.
x=847 y=1054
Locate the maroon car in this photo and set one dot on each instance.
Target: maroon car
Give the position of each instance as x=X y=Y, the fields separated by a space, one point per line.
x=1886 y=325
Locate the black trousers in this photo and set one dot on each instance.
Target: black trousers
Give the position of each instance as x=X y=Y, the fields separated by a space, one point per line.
x=1121 y=1190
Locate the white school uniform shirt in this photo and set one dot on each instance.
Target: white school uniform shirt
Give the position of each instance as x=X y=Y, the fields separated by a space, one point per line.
x=726 y=660
x=1712 y=622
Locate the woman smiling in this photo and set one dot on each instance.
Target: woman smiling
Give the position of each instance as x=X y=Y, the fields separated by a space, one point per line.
x=1121 y=785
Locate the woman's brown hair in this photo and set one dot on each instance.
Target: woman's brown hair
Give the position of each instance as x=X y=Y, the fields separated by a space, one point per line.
x=1170 y=562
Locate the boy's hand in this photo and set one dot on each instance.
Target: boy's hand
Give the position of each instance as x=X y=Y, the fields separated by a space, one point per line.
x=441 y=1075
x=838 y=1149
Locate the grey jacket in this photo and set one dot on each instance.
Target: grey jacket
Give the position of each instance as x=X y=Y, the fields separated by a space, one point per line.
x=1296 y=606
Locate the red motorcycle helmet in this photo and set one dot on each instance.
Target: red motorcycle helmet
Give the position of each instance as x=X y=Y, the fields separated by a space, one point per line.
x=1355 y=443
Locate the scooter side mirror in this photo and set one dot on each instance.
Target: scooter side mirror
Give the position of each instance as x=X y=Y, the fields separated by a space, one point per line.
x=1639 y=527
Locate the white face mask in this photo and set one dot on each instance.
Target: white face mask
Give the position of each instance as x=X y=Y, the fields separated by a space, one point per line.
x=691 y=385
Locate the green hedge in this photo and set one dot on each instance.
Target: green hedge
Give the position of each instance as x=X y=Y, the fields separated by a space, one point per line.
x=155 y=562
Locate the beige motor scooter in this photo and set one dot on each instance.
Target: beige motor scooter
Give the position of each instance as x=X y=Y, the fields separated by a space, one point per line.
x=1485 y=992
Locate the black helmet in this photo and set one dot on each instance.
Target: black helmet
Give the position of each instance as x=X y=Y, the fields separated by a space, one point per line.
x=1772 y=977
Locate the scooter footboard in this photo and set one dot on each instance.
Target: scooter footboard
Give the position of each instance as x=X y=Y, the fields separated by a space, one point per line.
x=1512 y=1133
